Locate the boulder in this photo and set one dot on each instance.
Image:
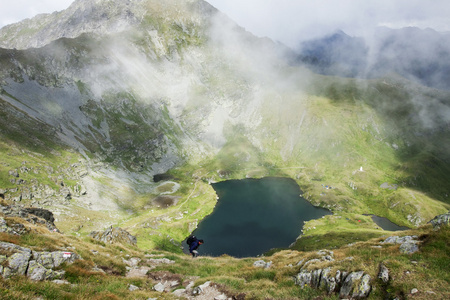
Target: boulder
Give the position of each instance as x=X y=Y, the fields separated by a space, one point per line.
x=398 y=239
x=39 y=273
x=440 y=220
x=349 y=284
x=159 y=287
x=362 y=290
x=138 y=272
x=132 y=262
x=17 y=263
x=383 y=274
x=201 y=288
x=55 y=259
x=303 y=278
x=262 y=264
x=340 y=276
x=327 y=281
x=315 y=278
x=408 y=244
x=409 y=247
x=114 y=235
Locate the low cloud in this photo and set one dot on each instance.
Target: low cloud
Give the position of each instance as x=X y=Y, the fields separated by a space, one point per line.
x=292 y=22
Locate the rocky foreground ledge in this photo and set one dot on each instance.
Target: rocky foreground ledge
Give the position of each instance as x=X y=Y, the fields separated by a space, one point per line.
x=36 y=265
x=324 y=270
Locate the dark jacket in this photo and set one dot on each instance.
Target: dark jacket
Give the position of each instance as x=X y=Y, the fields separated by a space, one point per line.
x=194 y=245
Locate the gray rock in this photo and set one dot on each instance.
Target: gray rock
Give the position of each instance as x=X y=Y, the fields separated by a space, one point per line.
x=262 y=264
x=408 y=243
x=139 y=272
x=362 y=290
x=114 y=235
x=315 y=278
x=44 y=258
x=201 y=288
x=58 y=281
x=349 y=283
x=13 y=173
x=133 y=288
x=398 y=239
x=414 y=291
x=327 y=281
x=326 y=255
x=55 y=259
x=340 y=277
x=37 y=272
x=300 y=262
x=303 y=278
x=409 y=247
x=132 y=262
x=221 y=297
x=440 y=220
x=159 y=287
x=383 y=274
x=9 y=247
x=18 y=263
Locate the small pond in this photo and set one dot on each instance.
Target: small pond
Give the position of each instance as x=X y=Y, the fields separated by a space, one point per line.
x=385 y=224
x=253 y=216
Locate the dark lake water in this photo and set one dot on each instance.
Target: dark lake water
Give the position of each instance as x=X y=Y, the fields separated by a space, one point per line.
x=385 y=224
x=253 y=216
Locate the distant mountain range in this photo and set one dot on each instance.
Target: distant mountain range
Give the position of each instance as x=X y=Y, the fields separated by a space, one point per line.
x=421 y=55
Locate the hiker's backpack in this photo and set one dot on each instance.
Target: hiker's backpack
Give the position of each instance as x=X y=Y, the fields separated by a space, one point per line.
x=190 y=239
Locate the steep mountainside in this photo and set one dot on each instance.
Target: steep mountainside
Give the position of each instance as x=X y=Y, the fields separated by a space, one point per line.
x=98 y=99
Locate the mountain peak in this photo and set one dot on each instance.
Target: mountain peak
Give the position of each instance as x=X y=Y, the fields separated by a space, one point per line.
x=97 y=17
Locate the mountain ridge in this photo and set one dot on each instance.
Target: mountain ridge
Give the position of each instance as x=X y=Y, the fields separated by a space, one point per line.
x=96 y=17
x=423 y=58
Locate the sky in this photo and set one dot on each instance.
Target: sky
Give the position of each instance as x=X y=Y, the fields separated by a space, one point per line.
x=291 y=21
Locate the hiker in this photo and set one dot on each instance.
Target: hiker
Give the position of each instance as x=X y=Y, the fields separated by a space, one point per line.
x=193 y=243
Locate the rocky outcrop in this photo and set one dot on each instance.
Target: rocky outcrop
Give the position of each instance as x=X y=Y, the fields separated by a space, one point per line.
x=440 y=220
x=36 y=265
x=41 y=213
x=408 y=244
x=35 y=216
x=139 y=268
x=262 y=264
x=114 y=235
x=355 y=285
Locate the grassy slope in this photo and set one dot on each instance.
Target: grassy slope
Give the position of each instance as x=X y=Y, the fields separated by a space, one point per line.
x=425 y=270
x=320 y=139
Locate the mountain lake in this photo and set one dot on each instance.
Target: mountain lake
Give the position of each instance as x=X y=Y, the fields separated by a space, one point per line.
x=253 y=216
x=386 y=224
